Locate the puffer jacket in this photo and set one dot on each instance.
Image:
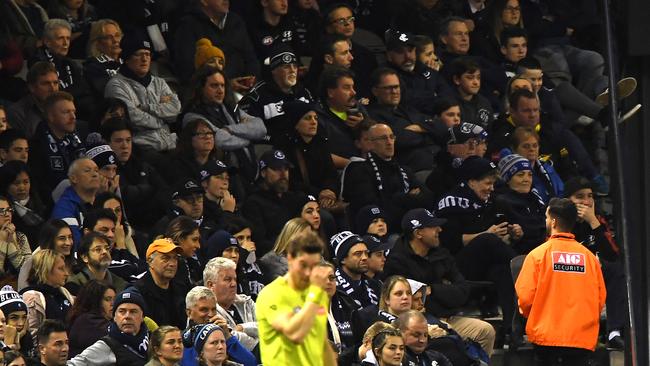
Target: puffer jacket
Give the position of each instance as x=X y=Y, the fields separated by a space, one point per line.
x=245 y=306
x=150 y=117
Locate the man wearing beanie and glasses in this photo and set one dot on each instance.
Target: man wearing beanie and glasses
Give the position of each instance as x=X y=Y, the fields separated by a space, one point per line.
x=280 y=85
x=152 y=105
x=127 y=341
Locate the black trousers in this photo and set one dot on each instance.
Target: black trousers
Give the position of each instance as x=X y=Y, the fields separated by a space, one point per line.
x=561 y=356
x=487 y=258
x=616 y=301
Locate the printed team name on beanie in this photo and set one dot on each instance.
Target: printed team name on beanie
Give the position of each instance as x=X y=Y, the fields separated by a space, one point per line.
x=568 y=262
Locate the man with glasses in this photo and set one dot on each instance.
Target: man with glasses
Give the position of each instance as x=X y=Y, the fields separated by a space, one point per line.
x=152 y=105
x=95 y=254
x=415 y=132
x=165 y=304
x=187 y=200
x=339 y=19
x=381 y=180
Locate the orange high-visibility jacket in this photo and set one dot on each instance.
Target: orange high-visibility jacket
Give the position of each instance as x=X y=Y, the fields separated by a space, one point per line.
x=562 y=292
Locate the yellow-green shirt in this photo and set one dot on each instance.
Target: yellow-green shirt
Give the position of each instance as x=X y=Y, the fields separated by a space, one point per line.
x=279 y=298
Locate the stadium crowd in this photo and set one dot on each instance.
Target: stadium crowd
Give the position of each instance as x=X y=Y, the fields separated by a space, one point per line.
x=287 y=182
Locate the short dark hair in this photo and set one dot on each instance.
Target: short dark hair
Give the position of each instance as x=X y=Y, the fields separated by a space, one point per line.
x=48 y=327
x=514 y=97
x=512 y=32
x=91 y=218
x=8 y=137
x=564 y=211
x=330 y=9
x=379 y=73
x=442 y=104
x=56 y=97
x=38 y=70
x=326 y=45
x=113 y=125
x=329 y=79
x=236 y=224
x=419 y=41
x=444 y=27
x=528 y=63
x=465 y=64
x=308 y=243
x=88 y=240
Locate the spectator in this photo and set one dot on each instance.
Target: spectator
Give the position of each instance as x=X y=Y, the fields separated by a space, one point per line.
x=14 y=358
x=280 y=85
x=46 y=297
x=413 y=326
x=558 y=273
x=194 y=149
x=462 y=140
x=25 y=115
x=127 y=339
x=271 y=27
x=106 y=161
x=56 y=235
x=208 y=54
x=340 y=113
x=24 y=22
x=15 y=309
x=210 y=344
x=157 y=285
x=351 y=255
x=415 y=132
x=387 y=348
x=448 y=111
x=28 y=210
x=249 y=263
x=14 y=245
x=594 y=233
x=273 y=203
x=90 y=315
x=366 y=353
x=187 y=200
x=339 y=19
x=419 y=256
x=123 y=231
x=80 y=15
x=274 y=263
x=56 y=143
x=184 y=232
x=425 y=52
x=78 y=197
x=333 y=50
x=235 y=130
x=226 y=30
x=152 y=104
x=56 y=47
x=382 y=180
x=52 y=343
x=313 y=169
x=143 y=190
x=238 y=310
x=377 y=256
x=371 y=219
x=218 y=202
x=223 y=244
x=466 y=77
x=290 y=337
x=95 y=253
x=516 y=203
x=13 y=145
x=546 y=182
x=104 y=49
x=306 y=25
x=420 y=84
x=165 y=347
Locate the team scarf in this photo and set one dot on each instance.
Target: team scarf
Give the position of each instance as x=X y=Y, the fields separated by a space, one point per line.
x=380 y=185
x=348 y=287
x=137 y=344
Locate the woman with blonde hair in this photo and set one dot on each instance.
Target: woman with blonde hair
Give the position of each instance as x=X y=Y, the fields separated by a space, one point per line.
x=104 y=50
x=46 y=298
x=165 y=347
x=275 y=262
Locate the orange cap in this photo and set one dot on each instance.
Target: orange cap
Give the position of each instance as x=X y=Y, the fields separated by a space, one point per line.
x=164 y=245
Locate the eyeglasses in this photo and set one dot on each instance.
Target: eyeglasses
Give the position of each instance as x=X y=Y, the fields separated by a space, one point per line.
x=344 y=21
x=389 y=87
x=383 y=138
x=514 y=9
x=204 y=135
x=6 y=211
